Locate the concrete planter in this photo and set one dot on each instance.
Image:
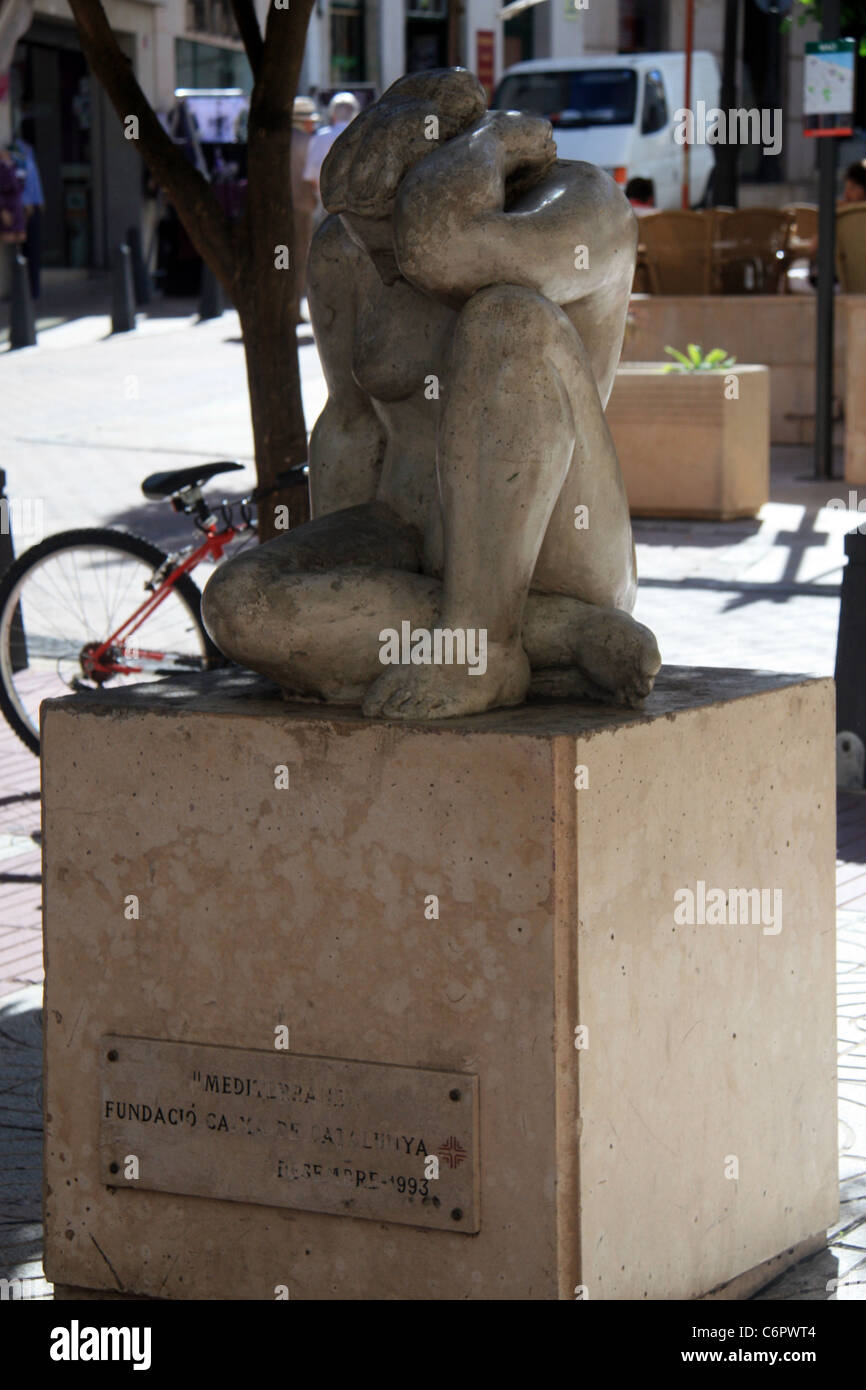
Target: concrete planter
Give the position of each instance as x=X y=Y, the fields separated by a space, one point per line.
x=685 y=448
x=777 y=330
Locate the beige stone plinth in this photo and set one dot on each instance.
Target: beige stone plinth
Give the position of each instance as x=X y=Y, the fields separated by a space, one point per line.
x=777 y=330
x=710 y=1049
x=684 y=448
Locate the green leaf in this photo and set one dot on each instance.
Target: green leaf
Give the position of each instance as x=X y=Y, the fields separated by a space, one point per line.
x=713 y=358
x=680 y=356
x=694 y=353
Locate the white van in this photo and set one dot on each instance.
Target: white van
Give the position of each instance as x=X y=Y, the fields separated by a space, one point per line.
x=618 y=111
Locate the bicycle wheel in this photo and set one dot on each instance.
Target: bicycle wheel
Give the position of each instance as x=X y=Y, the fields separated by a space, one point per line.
x=64 y=597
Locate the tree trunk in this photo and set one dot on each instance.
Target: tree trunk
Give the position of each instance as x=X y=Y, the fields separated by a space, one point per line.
x=244 y=257
x=276 y=408
x=266 y=281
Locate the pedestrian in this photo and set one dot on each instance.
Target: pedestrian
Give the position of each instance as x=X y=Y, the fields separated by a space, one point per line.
x=12 y=225
x=342 y=109
x=641 y=194
x=855 y=182
x=34 y=201
x=304 y=122
x=853 y=191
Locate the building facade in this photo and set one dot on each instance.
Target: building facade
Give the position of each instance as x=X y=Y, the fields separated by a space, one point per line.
x=93 y=177
x=94 y=182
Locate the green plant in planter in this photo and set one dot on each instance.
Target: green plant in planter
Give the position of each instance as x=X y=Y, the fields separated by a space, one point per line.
x=693 y=360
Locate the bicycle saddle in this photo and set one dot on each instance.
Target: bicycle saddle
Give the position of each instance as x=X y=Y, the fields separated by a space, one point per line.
x=166 y=484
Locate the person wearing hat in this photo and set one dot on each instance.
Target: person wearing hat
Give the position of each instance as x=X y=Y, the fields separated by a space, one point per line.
x=304 y=122
x=342 y=110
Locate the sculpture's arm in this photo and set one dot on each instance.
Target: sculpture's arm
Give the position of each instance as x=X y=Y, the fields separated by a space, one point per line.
x=347 y=443
x=453 y=235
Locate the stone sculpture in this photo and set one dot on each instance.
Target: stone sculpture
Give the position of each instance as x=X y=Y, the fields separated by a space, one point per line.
x=469 y=294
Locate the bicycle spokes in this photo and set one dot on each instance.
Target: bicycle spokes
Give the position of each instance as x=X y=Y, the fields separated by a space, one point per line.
x=86 y=616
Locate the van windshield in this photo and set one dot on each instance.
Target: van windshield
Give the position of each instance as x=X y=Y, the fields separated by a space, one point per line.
x=591 y=96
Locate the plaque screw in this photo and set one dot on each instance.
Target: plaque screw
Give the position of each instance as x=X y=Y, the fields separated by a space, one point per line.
x=113 y=1054
x=114 y=1167
x=454 y=1095
x=457 y=1214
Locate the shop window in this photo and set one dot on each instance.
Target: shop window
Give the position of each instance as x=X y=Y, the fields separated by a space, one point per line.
x=207 y=65
x=211 y=17
x=347 y=42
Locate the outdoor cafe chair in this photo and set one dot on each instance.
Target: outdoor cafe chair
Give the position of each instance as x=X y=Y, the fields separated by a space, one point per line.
x=752 y=250
x=678 y=249
x=804 y=228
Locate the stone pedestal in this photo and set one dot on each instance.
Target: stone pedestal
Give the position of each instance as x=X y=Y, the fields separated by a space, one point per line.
x=655 y=1097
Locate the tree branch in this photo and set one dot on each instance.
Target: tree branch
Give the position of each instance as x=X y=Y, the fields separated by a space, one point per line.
x=283 y=54
x=268 y=218
x=248 y=27
x=190 y=193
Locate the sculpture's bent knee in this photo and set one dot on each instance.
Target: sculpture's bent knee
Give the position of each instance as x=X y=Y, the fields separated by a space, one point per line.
x=231 y=606
x=519 y=318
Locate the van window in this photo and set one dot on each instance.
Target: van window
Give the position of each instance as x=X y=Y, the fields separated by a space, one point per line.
x=591 y=96
x=655 y=106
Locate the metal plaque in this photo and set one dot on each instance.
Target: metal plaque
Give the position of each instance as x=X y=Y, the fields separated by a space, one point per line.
x=283 y=1130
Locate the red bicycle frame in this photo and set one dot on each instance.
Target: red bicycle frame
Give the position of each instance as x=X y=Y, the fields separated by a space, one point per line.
x=104 y=659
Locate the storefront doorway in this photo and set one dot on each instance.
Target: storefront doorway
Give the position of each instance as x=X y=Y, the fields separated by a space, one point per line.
x=426 y=35
x=92 y=178
x=51 y=106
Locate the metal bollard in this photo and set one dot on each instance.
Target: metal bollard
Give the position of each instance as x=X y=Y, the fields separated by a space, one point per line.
x=851 y=642
x=140 y=276
x=122 y=295
x=211 y=303
x=17 y=640
x=22 y=324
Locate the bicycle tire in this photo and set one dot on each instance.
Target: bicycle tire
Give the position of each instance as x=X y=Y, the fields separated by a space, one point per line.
x=89 y=537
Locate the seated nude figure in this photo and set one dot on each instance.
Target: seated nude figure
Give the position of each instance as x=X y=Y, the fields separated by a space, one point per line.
x=462 y=473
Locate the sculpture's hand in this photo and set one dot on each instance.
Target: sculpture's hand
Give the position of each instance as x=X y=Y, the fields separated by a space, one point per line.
x=479 y=170
x=494 y=206
x=522 y=143
x=366 y=164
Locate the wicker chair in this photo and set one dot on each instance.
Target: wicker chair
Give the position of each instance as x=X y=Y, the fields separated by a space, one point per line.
x=678 y=251
x=719 y=216
x=804 y=229
x=752 y=250
x=851 y=247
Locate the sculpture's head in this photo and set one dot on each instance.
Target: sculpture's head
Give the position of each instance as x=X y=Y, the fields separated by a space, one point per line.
x=365 y=165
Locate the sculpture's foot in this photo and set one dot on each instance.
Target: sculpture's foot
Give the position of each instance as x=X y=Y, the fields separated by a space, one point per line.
x=581 y=652
x=446 y=692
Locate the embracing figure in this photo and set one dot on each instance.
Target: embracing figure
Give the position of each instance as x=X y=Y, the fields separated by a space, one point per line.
x=469 y=295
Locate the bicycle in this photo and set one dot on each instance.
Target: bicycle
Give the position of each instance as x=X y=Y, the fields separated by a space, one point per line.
x=70 y=607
